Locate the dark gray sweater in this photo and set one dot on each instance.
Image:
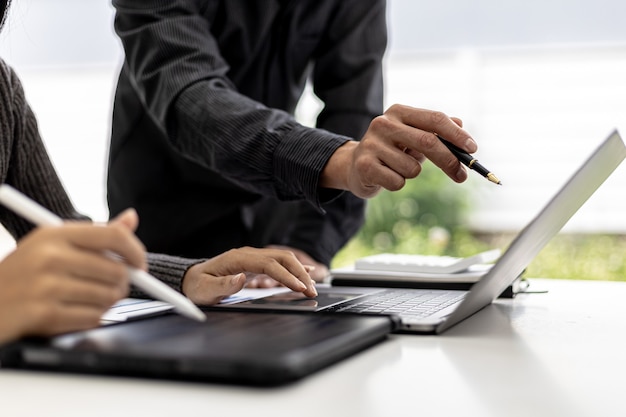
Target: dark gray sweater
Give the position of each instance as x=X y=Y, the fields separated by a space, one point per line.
x=25 y=165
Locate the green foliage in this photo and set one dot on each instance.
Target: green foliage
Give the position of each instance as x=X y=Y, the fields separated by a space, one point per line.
x=431 y=200
x=574 y=256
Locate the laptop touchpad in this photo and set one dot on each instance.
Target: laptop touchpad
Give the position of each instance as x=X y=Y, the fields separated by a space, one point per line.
x=298 y=301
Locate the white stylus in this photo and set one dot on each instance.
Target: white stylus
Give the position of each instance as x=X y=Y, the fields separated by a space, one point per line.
x=40 y=216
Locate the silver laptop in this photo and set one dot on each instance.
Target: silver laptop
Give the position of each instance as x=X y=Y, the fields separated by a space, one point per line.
x=433 y=310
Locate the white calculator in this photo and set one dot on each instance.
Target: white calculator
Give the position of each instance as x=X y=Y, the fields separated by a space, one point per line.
x=394 y=262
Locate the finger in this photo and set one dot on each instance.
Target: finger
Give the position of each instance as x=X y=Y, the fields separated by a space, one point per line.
x=56 y=318
x=66 y=288
x=87 y=265
x=381 y=160
x=299 y=283
x=430 y=145
x=268 y=282
x=252 y=280
x=126 y=245
x=319 y=274
x=290 y=261
x=113 y=238
x=415 y=154
x=401 y=161
x=378 y=155
x=90 y=293
x=252 y=283
x=376 y=172
x=434 y=121
x=261 y=281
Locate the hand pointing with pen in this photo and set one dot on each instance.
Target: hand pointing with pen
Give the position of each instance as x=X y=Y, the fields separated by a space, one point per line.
x=393 y=150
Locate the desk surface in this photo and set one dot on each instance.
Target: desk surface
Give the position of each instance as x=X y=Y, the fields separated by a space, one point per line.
x=552 y=354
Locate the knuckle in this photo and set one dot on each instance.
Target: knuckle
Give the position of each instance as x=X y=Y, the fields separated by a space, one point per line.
x=51 y=256
x=438 y=117
x=396 y=108
x=382 y=122
x=238 y=251
x=48 y=287
x=428 y=140
x=377 y=122
x=451 y=164
x=363 y=165
x=269 y=265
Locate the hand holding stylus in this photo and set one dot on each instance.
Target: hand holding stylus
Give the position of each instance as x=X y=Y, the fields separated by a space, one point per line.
x=40 y=216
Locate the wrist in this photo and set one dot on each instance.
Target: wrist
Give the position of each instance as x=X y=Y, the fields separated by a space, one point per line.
x=335 y=173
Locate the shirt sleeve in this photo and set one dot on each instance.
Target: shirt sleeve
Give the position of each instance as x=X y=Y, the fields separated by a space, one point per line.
x=176 y=68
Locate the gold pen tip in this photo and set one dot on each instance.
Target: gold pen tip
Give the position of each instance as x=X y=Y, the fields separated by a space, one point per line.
x=493 y=179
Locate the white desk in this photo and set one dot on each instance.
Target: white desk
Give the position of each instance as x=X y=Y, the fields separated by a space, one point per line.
x=551 y=354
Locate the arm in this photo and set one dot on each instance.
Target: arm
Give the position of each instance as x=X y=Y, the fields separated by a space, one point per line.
x=176 y=68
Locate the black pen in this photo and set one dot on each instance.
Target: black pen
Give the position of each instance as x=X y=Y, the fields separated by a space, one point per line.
x=469 y=161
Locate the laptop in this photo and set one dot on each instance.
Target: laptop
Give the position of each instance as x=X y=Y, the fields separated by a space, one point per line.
x=436 y=310
x=256 y=349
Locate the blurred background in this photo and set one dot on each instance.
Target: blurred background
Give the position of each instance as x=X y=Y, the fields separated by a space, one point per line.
x=538 y=85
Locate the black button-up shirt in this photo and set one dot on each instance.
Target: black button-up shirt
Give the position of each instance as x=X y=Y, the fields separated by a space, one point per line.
x=204 y=144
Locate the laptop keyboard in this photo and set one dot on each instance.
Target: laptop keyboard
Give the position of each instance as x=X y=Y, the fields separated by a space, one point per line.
x=402 y=302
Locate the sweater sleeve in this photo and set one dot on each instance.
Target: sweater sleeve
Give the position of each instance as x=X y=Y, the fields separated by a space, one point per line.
x=25 y=161
x=169 y=269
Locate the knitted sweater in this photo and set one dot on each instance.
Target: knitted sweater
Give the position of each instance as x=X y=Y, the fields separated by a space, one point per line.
x=25 y=164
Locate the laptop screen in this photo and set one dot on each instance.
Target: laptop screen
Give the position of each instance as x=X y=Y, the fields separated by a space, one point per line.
x=529 y=242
